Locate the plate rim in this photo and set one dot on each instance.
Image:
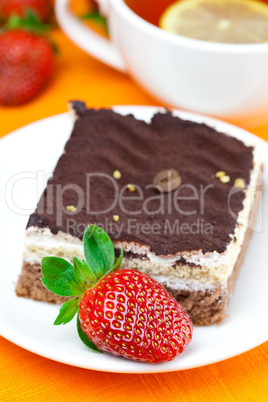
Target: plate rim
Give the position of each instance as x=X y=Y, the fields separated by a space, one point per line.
x=149 y=371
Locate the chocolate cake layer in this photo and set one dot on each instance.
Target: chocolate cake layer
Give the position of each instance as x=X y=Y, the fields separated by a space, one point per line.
x=104 y=141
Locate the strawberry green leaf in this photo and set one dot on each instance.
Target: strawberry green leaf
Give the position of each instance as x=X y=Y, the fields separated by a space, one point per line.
x=30 y=21
x=58 y=277
x=84 y=338
x=99 y=250
x=94 y=15
x=83 y=274
x=118 y=262
x=67 y=311
x=55 y=47
x=97 y=18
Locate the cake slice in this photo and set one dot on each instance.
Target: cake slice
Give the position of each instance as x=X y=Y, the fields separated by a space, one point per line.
x=191 y=238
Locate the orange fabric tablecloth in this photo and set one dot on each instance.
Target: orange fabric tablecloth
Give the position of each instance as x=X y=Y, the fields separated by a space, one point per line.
x=28 y=377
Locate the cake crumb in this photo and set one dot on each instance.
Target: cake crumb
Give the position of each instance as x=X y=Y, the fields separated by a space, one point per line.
x=225 y=179
x=131 y=187
x=117 y=174
x=71 y=208
x=239 y=183
x=220 y=174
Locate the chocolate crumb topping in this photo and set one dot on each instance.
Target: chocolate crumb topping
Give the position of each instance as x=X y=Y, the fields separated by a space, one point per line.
x=79 y=107
x=102 y=141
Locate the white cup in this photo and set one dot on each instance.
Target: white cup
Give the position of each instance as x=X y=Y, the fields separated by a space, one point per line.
x=229 y=81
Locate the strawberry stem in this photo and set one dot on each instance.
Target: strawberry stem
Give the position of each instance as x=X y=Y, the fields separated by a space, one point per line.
x=64 y=279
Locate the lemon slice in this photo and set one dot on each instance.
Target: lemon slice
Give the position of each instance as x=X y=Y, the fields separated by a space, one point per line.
x=224 y=21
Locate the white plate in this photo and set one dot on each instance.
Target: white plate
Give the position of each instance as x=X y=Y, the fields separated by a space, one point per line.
x=29 y=324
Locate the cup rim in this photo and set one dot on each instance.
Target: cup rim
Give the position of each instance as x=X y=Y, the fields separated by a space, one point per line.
x=126 y=12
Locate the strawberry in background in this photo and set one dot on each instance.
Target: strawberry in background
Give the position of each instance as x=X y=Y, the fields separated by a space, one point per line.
x=26 y=56
x=41 y=8
x=26 y=64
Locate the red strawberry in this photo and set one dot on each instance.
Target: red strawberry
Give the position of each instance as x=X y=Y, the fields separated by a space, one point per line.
x=125 y=312
x=26 y=63
x=10 y=7
x=131 y=315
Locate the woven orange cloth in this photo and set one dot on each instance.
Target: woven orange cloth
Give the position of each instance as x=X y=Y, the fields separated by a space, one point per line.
x=28 y=377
